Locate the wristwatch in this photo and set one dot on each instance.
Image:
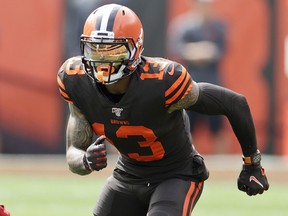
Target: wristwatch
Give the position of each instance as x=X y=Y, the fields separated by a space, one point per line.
x=254 y=159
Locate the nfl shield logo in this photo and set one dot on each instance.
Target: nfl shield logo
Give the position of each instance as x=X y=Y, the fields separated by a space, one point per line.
x=117 y=111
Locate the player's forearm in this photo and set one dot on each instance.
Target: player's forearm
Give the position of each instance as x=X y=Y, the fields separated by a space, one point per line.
x=78 y=137
x=243 y=126
x=216 y=100
x=74 y=158
x=74 y=153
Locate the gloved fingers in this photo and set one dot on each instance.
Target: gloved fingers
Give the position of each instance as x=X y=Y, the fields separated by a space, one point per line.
x=97 y=150
x=241 y=187
x=98 y=165
x=97 y=157
x=266 y=187
x=102 y=163
x=100 y=140
x=251 y=191
x=99 y=160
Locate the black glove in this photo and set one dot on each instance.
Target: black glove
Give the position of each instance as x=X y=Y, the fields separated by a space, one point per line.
x=253 y=180
x=95 y=156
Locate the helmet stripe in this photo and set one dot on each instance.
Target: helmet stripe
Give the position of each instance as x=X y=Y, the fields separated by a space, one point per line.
x=98 y=22
x=112 y=18
x=106 y=17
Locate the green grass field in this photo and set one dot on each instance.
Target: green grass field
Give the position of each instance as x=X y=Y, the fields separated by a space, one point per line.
x=37 y=192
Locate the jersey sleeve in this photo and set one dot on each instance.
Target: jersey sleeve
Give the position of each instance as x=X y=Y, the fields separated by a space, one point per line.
x=178 y=83
x=61 y=85
x=70 y=67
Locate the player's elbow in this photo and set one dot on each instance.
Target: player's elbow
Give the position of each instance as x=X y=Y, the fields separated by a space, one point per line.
x=241 y=100
x=78 y=171
x=240 y=104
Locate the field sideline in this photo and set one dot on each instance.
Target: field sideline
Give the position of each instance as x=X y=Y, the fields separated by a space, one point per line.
x=42 y=185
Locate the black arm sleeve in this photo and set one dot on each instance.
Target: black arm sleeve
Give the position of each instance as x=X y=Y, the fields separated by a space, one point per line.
x=216 y=100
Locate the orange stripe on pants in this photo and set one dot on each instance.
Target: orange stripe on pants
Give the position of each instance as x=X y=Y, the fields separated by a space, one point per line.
x=192 y=197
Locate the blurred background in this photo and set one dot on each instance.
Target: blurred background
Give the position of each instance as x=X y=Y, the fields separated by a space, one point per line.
x=37 y=36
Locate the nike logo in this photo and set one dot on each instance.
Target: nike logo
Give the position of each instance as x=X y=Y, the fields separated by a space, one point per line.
x=171 y=72
x=253 y=178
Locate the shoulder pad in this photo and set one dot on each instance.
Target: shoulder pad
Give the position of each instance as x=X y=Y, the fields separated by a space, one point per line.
x=72 y=66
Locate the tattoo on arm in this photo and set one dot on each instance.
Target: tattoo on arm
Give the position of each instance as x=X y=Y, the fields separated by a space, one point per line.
x=79 y=131
x=190 y=99
x=79 y=136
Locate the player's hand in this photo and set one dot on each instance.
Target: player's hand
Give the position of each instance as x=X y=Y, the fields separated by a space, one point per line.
x=253 y=180
x=95 y=156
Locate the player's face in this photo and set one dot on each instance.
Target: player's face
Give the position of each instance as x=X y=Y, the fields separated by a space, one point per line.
x=106 y=52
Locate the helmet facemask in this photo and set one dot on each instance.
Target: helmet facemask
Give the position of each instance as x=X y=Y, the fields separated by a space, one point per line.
x=107 y=59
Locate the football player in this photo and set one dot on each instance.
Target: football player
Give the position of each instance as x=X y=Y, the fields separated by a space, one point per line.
x=138 y=104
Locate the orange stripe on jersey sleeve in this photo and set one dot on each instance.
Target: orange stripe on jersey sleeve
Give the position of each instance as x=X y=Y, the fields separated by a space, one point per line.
x=62 y=90
x=184 y=76
x=60 y=83
x=187 y=91
x=65 y=95
x=176 y=83
x=68 y=101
